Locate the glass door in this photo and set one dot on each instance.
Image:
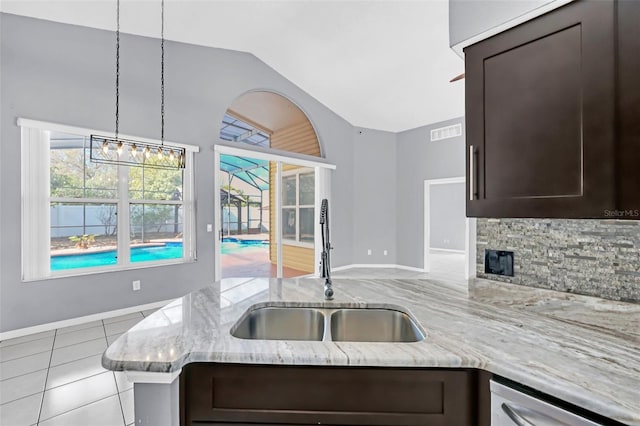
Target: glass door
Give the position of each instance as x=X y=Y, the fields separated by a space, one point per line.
x=267 y=214
x=245 y=211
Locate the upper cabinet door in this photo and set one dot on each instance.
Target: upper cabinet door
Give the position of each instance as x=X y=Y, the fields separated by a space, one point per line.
x=628 y=108
x=540 y=107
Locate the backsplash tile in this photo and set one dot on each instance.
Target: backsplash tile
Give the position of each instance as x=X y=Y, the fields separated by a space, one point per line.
x=592 y=257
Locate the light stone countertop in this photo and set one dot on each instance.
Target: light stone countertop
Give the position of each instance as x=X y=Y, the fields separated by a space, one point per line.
x=580 y=349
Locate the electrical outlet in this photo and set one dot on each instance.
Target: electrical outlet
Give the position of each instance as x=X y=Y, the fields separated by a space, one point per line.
x=369 y=252
x=209 y=227
x=136 y=285
x=385 y=252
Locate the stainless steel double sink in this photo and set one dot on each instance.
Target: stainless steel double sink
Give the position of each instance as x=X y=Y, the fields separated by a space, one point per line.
x=328 y=324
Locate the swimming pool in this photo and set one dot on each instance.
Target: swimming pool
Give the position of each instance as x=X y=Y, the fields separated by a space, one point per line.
x=235 y=245
x=170 y=250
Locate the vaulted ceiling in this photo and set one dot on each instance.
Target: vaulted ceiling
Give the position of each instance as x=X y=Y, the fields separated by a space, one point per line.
x=378 y=64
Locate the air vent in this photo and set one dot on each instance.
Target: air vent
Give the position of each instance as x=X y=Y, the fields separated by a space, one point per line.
x=446 y=132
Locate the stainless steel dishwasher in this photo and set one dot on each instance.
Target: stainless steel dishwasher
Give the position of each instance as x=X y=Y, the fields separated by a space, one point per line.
x=511 y=407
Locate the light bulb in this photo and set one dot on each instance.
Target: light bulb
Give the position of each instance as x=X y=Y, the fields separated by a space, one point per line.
x=172 y=156
x=147 y=152
x=105 y=147
x=119 y=149
x=134 y=150
x=159 y=154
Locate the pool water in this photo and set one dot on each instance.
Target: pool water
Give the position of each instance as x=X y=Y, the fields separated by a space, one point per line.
x=234 y=245
x=171 y=250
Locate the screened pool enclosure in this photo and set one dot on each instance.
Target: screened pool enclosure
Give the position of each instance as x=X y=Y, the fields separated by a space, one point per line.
x=244 y=195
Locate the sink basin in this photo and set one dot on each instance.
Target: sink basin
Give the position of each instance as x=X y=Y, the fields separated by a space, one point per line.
x=373 y=325
x=328 y=324
x=280 y=323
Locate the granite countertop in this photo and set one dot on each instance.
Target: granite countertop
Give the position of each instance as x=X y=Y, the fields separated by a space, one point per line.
x=580 y=349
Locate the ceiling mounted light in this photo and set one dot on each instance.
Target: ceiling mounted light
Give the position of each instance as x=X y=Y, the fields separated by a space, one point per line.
x=126 y=150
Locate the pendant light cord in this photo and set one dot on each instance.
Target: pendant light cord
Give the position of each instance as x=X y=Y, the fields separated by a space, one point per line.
x=162 y=73
x=117 y=67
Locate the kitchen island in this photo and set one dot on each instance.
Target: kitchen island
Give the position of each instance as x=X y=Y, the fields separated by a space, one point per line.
x=582 y=350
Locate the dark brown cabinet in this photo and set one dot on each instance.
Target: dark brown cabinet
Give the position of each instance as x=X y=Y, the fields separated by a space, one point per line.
x=553 y=115
x=217 y=394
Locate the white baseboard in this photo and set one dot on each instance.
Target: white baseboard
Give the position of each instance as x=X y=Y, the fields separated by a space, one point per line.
x=447 y=250
x=377 y=265
x=11 y=334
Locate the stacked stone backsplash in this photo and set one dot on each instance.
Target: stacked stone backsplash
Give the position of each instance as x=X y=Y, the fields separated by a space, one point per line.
x=592 y=257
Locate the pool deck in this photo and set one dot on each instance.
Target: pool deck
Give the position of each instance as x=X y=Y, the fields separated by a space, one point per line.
x=253 y=263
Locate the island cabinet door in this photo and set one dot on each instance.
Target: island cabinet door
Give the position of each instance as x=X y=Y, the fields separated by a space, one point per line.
x=249 y=394
x=540 y=116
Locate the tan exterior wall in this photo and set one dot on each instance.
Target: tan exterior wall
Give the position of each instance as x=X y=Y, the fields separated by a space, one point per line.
x=302 y=139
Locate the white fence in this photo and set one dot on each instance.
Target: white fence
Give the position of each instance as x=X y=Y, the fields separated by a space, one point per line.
x=100 y=219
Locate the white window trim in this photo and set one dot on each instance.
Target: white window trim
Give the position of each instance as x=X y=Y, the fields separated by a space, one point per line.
x=85 y=131
x=36 y=199
x=297 y=206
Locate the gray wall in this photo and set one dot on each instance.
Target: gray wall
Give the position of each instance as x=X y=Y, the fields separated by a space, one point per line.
x=374 y=196
x=418 y=159
x=447 y=215
x=65 y=74
x=593 y=257
x=468 y=18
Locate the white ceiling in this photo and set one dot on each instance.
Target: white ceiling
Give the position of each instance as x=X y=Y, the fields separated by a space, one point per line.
x=378 y=64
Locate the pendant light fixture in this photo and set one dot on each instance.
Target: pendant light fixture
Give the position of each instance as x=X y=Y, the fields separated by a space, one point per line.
x=115 y=150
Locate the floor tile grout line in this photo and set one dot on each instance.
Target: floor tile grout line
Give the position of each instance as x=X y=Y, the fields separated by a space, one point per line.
x=113 y=374
x=77 y=380
x=56 y=332
x=24 y=374
x=74 y=360
x=78 y=343
x=76 y=408
x=25 y=342
x=124 y=419
x=18 y=399
x=20 y=357
x=126 y=319
x=46 y=379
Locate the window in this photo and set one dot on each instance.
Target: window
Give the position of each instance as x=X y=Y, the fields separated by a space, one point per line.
x=155 y=214
x=74 y=210
x=298 y=199
x=236 y=130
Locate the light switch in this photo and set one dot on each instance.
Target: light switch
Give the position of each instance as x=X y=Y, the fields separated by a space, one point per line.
x=209 y=227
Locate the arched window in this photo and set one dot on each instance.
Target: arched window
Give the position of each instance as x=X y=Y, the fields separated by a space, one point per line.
x=269 y=120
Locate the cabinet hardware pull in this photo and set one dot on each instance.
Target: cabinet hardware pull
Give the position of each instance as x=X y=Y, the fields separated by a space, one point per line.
x=472 y=186
x=513 y=415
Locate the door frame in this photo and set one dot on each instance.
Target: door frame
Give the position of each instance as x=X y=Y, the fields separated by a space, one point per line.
x=322 y=187
x=470 y=229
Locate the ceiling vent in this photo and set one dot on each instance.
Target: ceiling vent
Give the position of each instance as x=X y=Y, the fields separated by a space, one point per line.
x=446 y=132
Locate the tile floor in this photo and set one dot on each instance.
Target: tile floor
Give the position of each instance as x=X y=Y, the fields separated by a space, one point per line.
x=55 y=378
x=444 y=266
